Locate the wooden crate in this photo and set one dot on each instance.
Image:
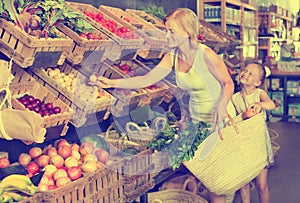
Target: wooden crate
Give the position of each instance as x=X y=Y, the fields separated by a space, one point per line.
x=149 y=18
x=124 y=100
x=57 y=123
x=155 y=40
x=105 y=185
x=28 y=50
x=82 y=49
x=137 y=170
x=87 y=110
x=122 y=48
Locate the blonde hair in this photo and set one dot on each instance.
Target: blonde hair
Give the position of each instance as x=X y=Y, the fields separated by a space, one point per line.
x=187 y=19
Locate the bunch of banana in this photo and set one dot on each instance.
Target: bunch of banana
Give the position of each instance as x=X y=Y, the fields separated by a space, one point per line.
x=13 y=187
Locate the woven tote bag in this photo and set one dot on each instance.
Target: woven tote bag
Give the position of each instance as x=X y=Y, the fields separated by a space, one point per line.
x=233 y=161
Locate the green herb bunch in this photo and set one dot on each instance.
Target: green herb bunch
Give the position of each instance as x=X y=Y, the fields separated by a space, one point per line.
x=181 y=145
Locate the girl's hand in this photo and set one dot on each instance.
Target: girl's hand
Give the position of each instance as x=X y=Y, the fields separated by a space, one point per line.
x=256 y=108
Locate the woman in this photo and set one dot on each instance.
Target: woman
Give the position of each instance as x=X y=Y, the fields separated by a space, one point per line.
x=198 y=69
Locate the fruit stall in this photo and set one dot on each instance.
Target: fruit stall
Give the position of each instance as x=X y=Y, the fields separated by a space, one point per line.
x=73 y=141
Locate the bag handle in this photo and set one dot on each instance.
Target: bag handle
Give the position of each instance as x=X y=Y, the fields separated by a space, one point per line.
x=156 y=123
x=233 y=123
x=189 y=181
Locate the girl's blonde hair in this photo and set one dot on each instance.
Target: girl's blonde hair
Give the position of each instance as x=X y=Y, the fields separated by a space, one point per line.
x=263 y=74
x=187 y=19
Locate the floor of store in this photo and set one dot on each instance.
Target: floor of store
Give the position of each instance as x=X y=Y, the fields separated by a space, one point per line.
x=284 y=176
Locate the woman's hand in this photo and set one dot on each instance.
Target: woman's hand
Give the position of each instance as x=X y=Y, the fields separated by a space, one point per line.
x=218 y=122
x=104 y=82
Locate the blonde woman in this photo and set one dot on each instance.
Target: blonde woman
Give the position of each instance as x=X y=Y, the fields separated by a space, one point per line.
x=198 y=69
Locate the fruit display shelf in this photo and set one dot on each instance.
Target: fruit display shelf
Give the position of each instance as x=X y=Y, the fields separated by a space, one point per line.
x=137 y=170
x=27 y=50
x=155 y=39
x=84 y=48
x=57 y=122
x=124 y=100
x=90 y=104
x=103 y=185
x=134 y=67
x=127 y=42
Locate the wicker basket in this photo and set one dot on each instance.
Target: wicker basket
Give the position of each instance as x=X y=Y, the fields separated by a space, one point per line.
x=122 y=48
x=85 y=109
x=275 y=147
x=175 y=196
x=36 y=198
x=84 y=50
x=155 y=40
x=223 y=165
x=29 y=50
x=104 y=185
x=137 y=169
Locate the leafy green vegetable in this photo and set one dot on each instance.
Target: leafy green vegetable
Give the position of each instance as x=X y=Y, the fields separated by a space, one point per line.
x=181 y=145
x=152 y=9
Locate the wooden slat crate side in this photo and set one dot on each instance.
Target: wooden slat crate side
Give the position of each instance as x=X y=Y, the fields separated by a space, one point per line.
x=81 y=7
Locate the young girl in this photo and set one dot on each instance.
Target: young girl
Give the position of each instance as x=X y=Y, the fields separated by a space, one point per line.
x=253 y=98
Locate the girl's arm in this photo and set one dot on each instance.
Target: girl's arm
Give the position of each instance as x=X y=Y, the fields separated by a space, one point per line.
x=266 y=102
x=159 y=72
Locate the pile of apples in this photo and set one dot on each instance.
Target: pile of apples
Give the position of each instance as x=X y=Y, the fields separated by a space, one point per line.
x=63 y=162
x=71 y=83
x=152 y=87
x=121 y=31
x=38 y=106
x=125 y=68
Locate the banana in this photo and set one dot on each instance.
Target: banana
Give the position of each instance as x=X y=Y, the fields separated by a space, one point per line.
x=14 y=196
x=19 y=177
x=18 y=185
x=5 y=198
x=32 y=189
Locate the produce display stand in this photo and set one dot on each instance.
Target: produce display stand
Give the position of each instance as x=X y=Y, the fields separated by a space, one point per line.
x=104 y=185
x=59 y=120
x=122 y=48
x=91 y=51
x=29 y=50
x=155 y=40
x=124 y=99
x=85 y=110
x=152 y=20
x=137 y=168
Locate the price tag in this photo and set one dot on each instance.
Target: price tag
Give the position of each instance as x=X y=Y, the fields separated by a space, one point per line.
x=46 y=59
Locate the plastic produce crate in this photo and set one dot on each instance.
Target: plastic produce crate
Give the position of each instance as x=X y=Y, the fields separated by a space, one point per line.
x=126 y=45
x=90 y=104
x=31 y=51
x=155 y=39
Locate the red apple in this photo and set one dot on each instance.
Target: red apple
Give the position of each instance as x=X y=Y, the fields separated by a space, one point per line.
x=61 y=142
x=62 y=181
x=24 y=159
x=34 y=152
x=43 y=160
x=64 y=151
x=102 y=155
x=51 y=151
x=74 y=172
x=32 y=168
x=75 y=147
x=60 y=173
x=4 y=162
x=57 y=160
